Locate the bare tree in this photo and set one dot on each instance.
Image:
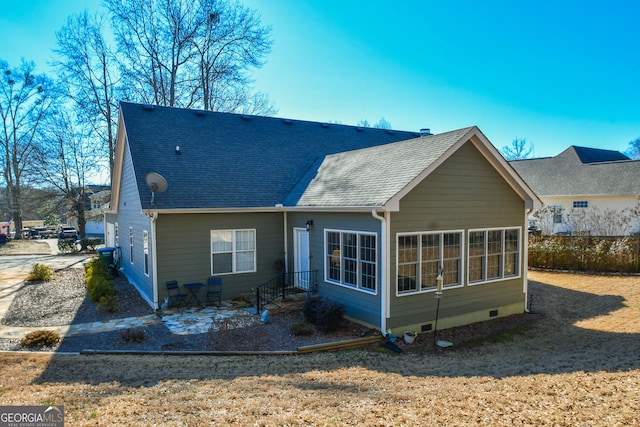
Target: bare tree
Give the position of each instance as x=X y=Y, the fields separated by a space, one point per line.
x=25 y=98
x=188 y=53
x=88 y=72
x=66 y=154
x=634 y=149
x=380 y=124
x=518 y=150
x=229 y=43
x=546 y=218
x=603 y=222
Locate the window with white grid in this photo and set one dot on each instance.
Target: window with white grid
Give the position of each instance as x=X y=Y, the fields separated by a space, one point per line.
x=233 y=251
x=351 y=259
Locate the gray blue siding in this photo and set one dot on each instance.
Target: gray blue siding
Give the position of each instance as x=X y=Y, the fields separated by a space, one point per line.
x=359 y=304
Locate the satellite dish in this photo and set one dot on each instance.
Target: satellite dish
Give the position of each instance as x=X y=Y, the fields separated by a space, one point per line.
x=156 y=182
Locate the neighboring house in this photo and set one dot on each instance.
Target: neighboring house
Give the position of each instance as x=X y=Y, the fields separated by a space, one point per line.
x=584 y=179
x=376 y=212
x=96 y=202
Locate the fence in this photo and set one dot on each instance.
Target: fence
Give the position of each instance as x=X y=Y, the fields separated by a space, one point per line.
x=585 y=253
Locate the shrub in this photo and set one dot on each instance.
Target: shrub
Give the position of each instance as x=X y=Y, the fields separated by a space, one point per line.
x=99 y=282
x=302 y=329
x=131 y=335
x=327 y=315
x=41 y=273
x=40 y=339
x=67 y=246
x=310 y=309
x=89 y=244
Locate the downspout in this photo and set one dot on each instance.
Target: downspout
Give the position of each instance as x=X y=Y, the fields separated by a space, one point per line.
x=154 y=260
x=286 y=244
x=525 y=258
x=384 y=270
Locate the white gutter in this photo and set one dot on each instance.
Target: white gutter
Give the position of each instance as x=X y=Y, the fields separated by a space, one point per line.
x=525 y=260
x=384 y=270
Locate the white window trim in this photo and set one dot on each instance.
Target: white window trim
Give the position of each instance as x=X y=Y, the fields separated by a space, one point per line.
x=234 y=251
x=504 y=258
x=341 y=283
x=419 y=289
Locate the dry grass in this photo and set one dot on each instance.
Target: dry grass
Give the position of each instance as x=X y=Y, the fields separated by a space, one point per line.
x=25 y=247
x=580 y=365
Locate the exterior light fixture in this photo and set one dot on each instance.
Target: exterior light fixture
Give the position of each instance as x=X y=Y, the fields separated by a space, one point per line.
x=309 y=224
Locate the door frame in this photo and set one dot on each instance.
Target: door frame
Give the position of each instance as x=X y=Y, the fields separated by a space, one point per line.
x=300 y=281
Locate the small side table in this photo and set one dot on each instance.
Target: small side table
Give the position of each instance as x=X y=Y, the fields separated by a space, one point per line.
x=194 y=290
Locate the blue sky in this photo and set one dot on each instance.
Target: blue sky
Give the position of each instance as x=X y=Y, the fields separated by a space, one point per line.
x=557 y=73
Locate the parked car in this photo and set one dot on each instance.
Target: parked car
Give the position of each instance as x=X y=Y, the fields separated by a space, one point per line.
x=68 y=232
x=44 y=233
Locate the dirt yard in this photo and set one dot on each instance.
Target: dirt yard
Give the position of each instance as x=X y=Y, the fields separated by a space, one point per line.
x=577 y=366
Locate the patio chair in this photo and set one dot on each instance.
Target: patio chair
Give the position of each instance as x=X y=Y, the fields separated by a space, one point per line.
x=214 y=290
x=175 y=296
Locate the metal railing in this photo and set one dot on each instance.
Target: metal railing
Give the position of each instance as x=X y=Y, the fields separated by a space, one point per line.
x=286 y=284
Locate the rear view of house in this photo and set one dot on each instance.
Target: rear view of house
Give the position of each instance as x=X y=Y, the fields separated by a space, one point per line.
x=375 y=214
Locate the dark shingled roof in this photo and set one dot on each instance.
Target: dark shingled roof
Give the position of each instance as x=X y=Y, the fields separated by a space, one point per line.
x=232 y=160
x=596 y=155
x=580 y=171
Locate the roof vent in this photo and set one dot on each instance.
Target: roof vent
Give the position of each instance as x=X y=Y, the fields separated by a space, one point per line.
x=287 y=121
x=245 y=117
x=390 y=132
x=199 y=112
x=147 y=107
x=324 y=125
x=425 y=132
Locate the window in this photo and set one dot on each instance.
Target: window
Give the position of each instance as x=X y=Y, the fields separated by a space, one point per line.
x=131 y=245
x=557 y=214
x=233 y=251
x=422 y=255
x=580 y=204
x=493 y=254
x=351 y=259
x=145 y=248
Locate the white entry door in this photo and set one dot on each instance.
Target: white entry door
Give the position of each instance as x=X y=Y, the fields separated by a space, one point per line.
x=301 y=258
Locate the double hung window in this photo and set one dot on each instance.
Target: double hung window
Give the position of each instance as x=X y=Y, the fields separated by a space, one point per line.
x=145 y=248
x=131 y=244
x=493 y=254
x=233 y=251
x=351 y=259
x=422 y=256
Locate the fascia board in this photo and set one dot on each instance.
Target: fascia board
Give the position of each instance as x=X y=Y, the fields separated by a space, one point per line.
x=478 y=139
x=270 y=209
x=503 y=167
x=116 y=182
x=393 y=204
